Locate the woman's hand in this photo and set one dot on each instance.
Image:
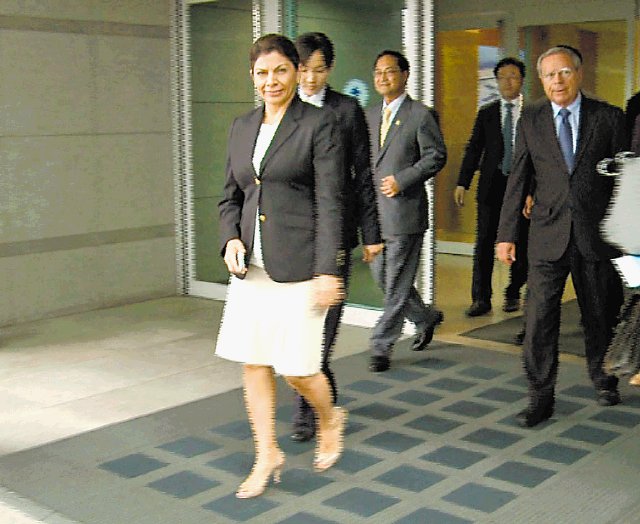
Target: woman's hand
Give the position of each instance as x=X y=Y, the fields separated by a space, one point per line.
x=329 y=290
x=234 y=246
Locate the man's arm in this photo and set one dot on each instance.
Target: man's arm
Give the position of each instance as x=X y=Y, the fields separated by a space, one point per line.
x=432 y=154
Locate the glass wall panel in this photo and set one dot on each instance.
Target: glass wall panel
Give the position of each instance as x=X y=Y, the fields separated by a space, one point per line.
x=221 y=89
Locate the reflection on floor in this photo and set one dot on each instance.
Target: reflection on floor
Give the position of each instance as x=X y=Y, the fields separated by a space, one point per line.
x=63 y=377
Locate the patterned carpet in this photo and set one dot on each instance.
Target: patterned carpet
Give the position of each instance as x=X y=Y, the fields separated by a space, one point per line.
x=431 y=440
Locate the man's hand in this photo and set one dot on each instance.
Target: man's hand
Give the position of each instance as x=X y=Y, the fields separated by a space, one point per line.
x=389 y=186
x=328 y=290
x=371 y=251
x=506 y=252
x=528 y=206
x=458 y=196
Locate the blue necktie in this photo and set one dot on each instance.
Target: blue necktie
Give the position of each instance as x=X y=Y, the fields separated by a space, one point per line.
x=565 y=137
x=507 y=138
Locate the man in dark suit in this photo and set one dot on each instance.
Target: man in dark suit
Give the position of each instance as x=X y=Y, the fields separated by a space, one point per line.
x=360 y=212
x=632 y=111
x=491 y=148
x=407 y=149
x=559 y=142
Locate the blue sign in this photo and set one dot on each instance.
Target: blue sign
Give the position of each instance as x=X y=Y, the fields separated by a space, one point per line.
x=357 y=89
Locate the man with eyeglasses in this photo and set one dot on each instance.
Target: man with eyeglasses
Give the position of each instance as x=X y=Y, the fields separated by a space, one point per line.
x=560 y=140
x=360 y=213
x=407 y=149
x=491 y=149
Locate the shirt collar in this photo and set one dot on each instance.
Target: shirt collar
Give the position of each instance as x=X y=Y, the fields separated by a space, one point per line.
x=574 y=107
x=395 y=104
x=316 y=99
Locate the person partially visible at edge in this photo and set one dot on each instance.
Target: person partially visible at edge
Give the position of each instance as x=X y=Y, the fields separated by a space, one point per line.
x=490 y=148
x=281 y=217
x=360 y=210
x=407 y=150
x=560 y=140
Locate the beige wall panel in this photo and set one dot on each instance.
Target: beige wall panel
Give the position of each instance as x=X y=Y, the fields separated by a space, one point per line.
x=46 y=83
x=132 y=85
x=151 y=12
x=48 y=186
x=134 y=181
x=62 y=282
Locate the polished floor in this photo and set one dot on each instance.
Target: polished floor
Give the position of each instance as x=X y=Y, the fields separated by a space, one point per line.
x=63 y=377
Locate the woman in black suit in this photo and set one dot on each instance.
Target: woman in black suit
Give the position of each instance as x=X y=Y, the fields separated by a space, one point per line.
x=281 y=229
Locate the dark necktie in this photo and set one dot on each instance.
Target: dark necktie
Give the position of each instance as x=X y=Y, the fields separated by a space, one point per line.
x=507 y=138
x=565 y=137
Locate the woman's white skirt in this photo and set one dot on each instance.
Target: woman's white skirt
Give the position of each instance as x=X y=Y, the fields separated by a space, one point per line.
x=272 y=324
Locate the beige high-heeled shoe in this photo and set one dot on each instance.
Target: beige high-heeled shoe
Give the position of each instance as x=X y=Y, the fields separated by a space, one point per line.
x=635 y=380
x=323 y=461
x=257 y=481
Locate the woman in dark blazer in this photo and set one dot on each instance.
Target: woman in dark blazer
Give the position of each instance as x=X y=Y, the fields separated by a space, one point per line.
x=281 y=230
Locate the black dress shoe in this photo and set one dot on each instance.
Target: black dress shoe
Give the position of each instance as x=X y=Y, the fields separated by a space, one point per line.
x=379 y=364
x=510 y=305
x=518 y=340
x=477 y=309
x=303 y=434
x=424 y=338
x=535 y=413
x=608 y=397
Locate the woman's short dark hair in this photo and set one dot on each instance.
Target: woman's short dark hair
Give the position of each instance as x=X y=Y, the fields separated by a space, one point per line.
x=403 y=63
x=273 y=42
x=309 y=43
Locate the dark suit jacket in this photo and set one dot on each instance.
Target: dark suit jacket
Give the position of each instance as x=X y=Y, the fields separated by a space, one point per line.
x=298 y=193
x=360 y=199
x=632 y=111
x=413 y=152
x=484 y=149
x=635 y=137
x=565 y=203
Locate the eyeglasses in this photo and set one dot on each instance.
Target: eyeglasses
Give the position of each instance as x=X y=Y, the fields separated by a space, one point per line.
x=387 y=72
x=563 y=73
x=510 y=77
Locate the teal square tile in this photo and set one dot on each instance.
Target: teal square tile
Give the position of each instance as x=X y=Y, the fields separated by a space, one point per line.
x=501 y=395
x=190 y=447
x=302 y=481
x=433 y=424
x=183 y=485
x=492 y=438
x=378 y=411
x=134 y=465
x=590 y=434
x=450 y=384
x=362 y=502
x=454 y=457
x=557 y=453
x=466 y=408
x=616 y=417
x=481 y=372
x=479 y=497
x=417 y=398
x=368 y=386
x=431 y=516
x=521 y=474
x=354 y=461
x=238 y=463
x=392 y=441
x=410 y=478
x=240 y=510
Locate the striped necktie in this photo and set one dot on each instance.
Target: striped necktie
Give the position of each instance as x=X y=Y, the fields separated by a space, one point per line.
x=386 y=124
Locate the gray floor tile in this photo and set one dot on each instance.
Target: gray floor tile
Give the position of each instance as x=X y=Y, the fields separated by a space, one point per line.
x=520 y=381
x=521 y=474
x=480 y=497
x=190 y=446
x=427 y=516
x=285 y=413
x=469 y=409
x=240 y=510
x=294 y=448
x=410 y=478
x=590 y=434
x=239 y=463
x=183 y=485
x=450 y=384
x=306 y=518
x=513 y=422
x=502 y=395
x=239 y=430
x=133 y=465
x=416 y=398
x=616 y=417
x=567 y=407
x=361 y=502
x=492 y=438
x=434 y=363
x=378 y=411
x=481 y=372
x=454 y=457
x=368 y=386
x=353 y=461
x=392 y=441
x=302 y=481
x=433 y=424
x=344 y=399
x=354 y=426
x=557 y=453
x=404 y=375
x=580 y=391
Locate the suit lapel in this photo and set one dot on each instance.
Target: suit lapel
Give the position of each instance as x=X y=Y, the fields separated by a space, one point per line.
x=398 y=121
x=249 y=133
x=496 y=125
x=585 y=129
x=287 y=127
x=376 y=121
x=330 y=98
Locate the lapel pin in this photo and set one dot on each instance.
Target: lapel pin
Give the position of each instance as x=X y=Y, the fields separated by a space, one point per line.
x=397 y=122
